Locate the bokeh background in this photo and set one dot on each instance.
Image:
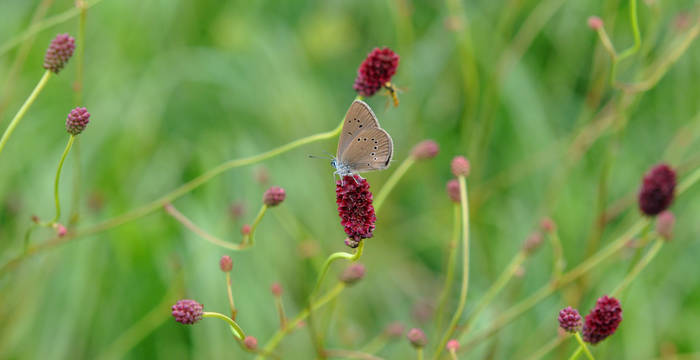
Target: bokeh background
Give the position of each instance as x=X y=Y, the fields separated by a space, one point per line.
x=176 y=87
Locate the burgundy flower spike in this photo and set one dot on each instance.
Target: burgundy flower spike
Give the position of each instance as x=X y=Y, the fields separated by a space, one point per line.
x=355 y=208
x=59 y=52
x=187 y=311
x=569 y=320
x=657 y=190
x=603 y=320
x=377 y=70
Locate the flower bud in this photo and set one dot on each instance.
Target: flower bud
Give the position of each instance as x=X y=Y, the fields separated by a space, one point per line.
x=250 y=342
x=274 y=196
x=426 y=149
x=276 y=289
x=353 y=273
x=77 y=120
x=452 y=345
x=226 y=264
x=664 y=224
x=460 y=166
x=59 y=52
x=187 y=311
x=453 y=190
x=417 y=338
x=595 y=23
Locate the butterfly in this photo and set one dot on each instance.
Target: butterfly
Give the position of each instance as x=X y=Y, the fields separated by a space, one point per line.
x=363 y=145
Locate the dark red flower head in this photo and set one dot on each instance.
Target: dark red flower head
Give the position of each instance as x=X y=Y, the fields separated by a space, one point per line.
x=377 y=69
x=187 y=311
x=355 y=208
x=77 y=120
x=603 y=320
x=59 y=52
x=274 y=196
x=570 y=319
x=656 y=194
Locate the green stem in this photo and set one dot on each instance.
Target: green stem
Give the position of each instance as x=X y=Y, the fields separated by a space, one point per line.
x=58 y=177
x=576 y=353
x=23 y=110
x=230 y=296
x=465 y=268
x=639 y=267
x=172 y=211
x=449 y=277
x=509 y=315
x=392 y=181
x=250 y=240
x=237 y=329
x=635 y=31
x=497 y=286
x=78 y=88
x=582 y=345
x=280 y=334
x=547 y=348
x=557 y=255
x=419 y=353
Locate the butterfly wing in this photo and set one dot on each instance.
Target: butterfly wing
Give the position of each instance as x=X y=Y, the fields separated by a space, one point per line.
x=358 y=118
x=370 y=150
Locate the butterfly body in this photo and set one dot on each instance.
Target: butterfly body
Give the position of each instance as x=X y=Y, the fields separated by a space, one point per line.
x=363 y=145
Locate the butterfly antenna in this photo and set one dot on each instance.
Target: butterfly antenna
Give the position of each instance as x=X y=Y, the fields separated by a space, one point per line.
x=319 y=157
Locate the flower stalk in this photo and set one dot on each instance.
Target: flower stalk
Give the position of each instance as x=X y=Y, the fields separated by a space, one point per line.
x=23 y=110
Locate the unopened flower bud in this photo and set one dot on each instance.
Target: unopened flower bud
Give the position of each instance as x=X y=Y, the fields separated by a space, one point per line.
x=460 y=166
x=274 y=196
x=226 y=264
x=417 y=338
x=664 y=224
x=426 y=149
x=250 y=342
x=353 y=273
x=595 y=23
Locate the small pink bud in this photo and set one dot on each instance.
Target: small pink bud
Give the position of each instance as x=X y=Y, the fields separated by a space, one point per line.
x=226 y=263
x=547 y=225
x=276 y=289
x=250 y=342
x=453 y=190
x=426 y=149
x=274 y=196
x=245 y=229
x=664 y=224
x=460 y=166
x=595 y=23
x=417 y=338
x=61 y=230
x=452 y=345
x=532 y=243
x=394 y=330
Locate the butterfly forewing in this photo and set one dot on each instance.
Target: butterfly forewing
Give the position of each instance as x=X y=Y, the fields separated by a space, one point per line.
x=358 y=118
x=370 y=150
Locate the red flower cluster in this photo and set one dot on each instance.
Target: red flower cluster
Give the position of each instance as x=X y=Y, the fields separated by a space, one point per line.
x=355 y=208
x=657 y=190
x=569 y=319
x=59 y=52
x=603 y=320
x=377 y=69
x=77 y=120
x=187 y=311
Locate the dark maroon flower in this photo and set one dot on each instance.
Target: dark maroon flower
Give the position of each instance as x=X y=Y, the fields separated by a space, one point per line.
x=426 y=149
x=377 y=69
x=226 y=264
x=250 y=342
x=77 y=120
x=187 y=311
x=453 y=190
x=417 y=338
x=59 y=52
x=603 y=320
x=460 y=166
x=355 y=208
x=658 y=186
x=274 y=196
x=570 y=320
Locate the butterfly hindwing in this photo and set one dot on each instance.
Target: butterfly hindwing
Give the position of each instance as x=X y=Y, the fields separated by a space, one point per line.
x=371 y=149
x=358 y=118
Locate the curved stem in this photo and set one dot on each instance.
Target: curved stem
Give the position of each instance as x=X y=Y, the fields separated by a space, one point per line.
x=172 y=211
x=250 y=238
x=449 y=277
x=634 y=22
x=583 y=346
x=230 y=296
x=392 y=181
x=576 y=353
x=58 y=177
x=237 y=329
x=43 y=25
x=643 y=262
x=280 y=334
x=23 y=110
x=333 y=257
x=497 y=286
x=465 y=268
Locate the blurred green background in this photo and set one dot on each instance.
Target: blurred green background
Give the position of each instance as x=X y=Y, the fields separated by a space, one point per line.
x=177 y=87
